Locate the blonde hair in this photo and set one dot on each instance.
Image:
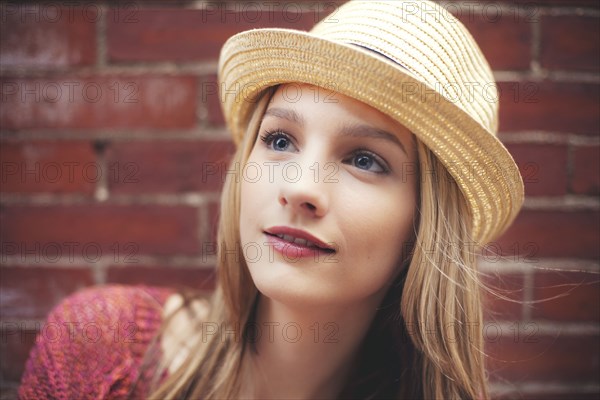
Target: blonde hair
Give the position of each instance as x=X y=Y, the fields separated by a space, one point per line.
x=425 y=341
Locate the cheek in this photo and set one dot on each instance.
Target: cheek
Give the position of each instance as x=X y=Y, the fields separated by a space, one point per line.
x=256 y=195
x=249 y=207
x=248 y=203
x=382 y=227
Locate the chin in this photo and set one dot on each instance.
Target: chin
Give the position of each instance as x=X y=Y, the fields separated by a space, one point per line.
x=292 y=291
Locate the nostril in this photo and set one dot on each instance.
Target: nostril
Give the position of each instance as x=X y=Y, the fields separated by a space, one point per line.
x=310 y=206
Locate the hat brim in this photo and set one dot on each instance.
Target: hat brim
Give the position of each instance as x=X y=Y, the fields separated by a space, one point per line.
x=485 y=171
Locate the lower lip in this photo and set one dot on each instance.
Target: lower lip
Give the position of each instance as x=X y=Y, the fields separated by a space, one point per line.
x=293 y=251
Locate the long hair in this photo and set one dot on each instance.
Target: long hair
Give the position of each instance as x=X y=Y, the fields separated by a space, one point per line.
x=425 y=340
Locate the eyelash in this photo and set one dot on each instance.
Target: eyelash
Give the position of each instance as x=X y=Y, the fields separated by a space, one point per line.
x=269 y=137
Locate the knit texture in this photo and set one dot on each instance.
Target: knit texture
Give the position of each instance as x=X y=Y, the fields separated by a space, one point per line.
x=92 y=344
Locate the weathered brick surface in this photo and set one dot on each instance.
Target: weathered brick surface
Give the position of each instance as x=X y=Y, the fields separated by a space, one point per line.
x=31 y=291
x=168 y=167
x=91 y=232
x=566 y=44
x=46 y=35
x=503 y=296
x=48 y=167
x=586 y=164
x=98 y=102
x=504 y=38
x=543 y=168
x=188 y=35
x=528 y=355
x=17 y=341
x=566 y=296
x=563 y=107
x=551 y=234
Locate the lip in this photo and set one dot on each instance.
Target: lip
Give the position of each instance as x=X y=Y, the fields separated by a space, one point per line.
x=298 y=233
x=293 y=251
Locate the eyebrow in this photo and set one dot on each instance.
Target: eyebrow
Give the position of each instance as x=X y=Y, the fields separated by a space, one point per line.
x=285 y=113
x=371 y=132
x=352 y=130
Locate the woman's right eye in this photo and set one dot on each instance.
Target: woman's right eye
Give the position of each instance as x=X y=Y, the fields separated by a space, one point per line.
x=277 y=140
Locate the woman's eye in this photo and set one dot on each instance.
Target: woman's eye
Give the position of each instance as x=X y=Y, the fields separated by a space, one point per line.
x=280 y=141
x=369 y=162
x=277 y=141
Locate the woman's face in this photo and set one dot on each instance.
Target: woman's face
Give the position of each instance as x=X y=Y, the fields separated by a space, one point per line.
x=340 y=171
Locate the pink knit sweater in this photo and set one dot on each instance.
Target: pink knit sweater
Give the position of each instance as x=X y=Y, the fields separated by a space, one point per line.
x=92 y=344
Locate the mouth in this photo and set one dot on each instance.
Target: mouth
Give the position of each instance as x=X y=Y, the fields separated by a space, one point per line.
x=301 y=242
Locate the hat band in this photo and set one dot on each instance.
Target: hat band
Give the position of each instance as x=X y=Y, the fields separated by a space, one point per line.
x=379 y=54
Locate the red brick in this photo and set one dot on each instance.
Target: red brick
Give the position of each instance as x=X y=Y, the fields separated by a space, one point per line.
x=550 y=106
x=192 y=35
x=543 y=168
x=148 y=101
x=192 y=278
x=168 y=167
x=50 y=167
x=8 y=389
x=209 y=92
x=539 y=234
x=44 y=35
x=30 y=292
x=536 y=357
x=504 y=300
x=565 y=296
x=504 y=39
x=14 y=350
x=586 y=170
x=570 y=42
x=136 y=229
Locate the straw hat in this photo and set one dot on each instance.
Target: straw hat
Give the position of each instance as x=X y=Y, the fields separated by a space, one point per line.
x=410 y=59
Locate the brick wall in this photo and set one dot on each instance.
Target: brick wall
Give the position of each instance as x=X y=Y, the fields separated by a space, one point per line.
x=109 y=118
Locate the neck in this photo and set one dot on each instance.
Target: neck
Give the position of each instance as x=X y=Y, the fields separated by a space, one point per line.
x=304 y=352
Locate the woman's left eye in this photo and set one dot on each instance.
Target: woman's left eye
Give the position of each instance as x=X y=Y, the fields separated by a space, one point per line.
x=277 y=140
x=368 y=162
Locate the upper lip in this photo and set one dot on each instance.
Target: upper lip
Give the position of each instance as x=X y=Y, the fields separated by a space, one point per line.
x=298 y=233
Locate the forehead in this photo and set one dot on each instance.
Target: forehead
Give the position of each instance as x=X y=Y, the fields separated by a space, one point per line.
x=297 y=102
x=295 y=92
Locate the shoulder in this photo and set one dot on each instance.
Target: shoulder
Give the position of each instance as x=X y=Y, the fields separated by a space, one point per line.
x=112 y=303
x=113 y=294
x=93 y=341
x=111 y=314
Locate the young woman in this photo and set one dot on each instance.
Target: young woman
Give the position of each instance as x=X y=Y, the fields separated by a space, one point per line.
x=369 y=174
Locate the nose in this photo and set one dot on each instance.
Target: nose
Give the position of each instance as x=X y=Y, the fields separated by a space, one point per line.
x=304 y=193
